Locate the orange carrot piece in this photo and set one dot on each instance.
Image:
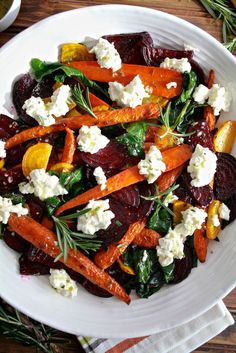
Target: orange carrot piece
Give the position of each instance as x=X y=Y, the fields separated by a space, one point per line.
x=211 y=79
x=104 y=118
x=147 y=238
x=153 y=77
x=69 y=148
x=172 y=157
x=95 y=101
x=200 y=244
x=104 y=258
x=169 y=178
x=208 y=111
x=44 y=239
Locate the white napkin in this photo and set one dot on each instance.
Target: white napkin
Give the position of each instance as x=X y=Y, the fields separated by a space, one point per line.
x=182 y=339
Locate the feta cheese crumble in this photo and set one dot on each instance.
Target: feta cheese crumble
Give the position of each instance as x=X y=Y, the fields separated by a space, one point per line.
x=45 y=114
x=90 y=139
x=130 y=95
x=62 y=283
x=170 y=198
x=172 y=245
x=217 y=97
x=98 y=217
x=190 y=47
x=2 y=149
x=215 y=220
x=152 y=166
x=6 y=208
x=107 y=55
x=169 y=85
x=224 y=212
x=202 y=166
x=100 y=177
x=42 y=184
x=181 y=65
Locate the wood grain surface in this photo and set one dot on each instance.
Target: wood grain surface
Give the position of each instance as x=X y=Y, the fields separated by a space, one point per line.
x=190 y=10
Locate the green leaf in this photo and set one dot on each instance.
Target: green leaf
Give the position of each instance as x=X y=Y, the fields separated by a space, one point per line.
x=144 y=261
x=68 y=179
x=168 y=272
x=41 y=69
x=160 y=220
x=15 y=198
x=52 y=203
x=190 y=83
x=133 y=139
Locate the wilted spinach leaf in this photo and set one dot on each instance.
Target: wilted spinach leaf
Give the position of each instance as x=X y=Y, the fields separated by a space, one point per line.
x=68 y=179
x=168 y=272
x=190 y=83
x=15 y=198
x=160 y=220
x=52 y=203
x=134 y=137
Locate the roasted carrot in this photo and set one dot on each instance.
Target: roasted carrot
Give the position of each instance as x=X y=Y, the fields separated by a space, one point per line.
x=153 y=77
x=169 y=178
x=104 y=258
x=95 y=101
x=200 y=244
x=69 y=148
x=208 y=111
x=173 y=158
x=147 y=238
x=44 y=239
x=104 y=118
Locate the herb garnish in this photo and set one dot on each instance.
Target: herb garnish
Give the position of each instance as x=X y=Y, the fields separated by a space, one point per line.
x=81 y=101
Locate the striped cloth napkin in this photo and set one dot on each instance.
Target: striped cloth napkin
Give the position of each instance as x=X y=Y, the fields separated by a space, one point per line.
x=182 y=339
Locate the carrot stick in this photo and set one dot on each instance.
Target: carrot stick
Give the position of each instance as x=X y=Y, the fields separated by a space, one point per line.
x=211 y=79
x=200 y=244
x=172 y=157
x=208 y=111
x=95 y=101
x=147 y=238
x=169 y=178
x=104 y=118
x=104 y=258
x=44 y=239
x=69 y=148
x=153 y=77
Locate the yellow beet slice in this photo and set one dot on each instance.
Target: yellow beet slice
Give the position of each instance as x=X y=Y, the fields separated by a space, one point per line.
x=62 y=167
x=2 y=162
x=178 y=207
x=163 y=139
x=36 y=157
x=211 y=230
x=225 y=137
x=75 y=52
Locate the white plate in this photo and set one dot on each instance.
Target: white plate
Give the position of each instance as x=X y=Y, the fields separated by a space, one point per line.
x=173 y=305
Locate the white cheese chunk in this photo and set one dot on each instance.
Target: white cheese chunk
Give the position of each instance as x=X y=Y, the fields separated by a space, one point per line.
x=107 y=55
x=200 y=94
x=170 y=198
x=100 y=177
x=42 y=184
x=169 y=85
x=45 y=114
x=152 y=166
x=2 y=149
x=98 y=217
x=171 y=246
x=215 y=220
x=224 y=212
x=130 y=95
x=181 y=65
x=219 y=99
x=202 y=166
x=90 y=139
x=62 y=283
x=190 y=47
x=6 y=208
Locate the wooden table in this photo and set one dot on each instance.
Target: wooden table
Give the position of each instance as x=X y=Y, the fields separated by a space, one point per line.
x=33 y=11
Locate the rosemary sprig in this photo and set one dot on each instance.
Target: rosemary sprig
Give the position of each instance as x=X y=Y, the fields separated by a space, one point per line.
x=81 y=101
x=223 y=9
x=22 y=329
x=68 y=239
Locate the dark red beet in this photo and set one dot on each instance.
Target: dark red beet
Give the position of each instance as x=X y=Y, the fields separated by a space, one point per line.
x=183 y=194
x=128 y=196
x=14 y=241
x=202 y=136
x=202 y=195
x=44 y=88
x=8 y=127
x=231 y=203
x=183 y=267
x=113 y=233
x=36 y=207
x=95 y=290
x=159 y=54
x=113 y=156
x=14 y=156
x=38 y=256
x=9 y=179
x=28 y=267
x=225 y=176
x=199 y=71
x=22 y=90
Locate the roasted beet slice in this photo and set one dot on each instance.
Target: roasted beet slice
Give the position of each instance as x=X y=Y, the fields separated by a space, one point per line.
x=38 y=256
x=14 y=241
x=202 y=195
x=113 y=156
x=159 y=54
x=28 y=267
x=14 y=156
x=134 y=48
x=8 y=127
x=95 y=290
x=113 y=233
x=231 y=203
x=9 y=179
x=128 y=196
x=183 y=194
x=225 y=176
x=44 y=88
x=202 y=135
x=36 y=207
x=183 y=267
